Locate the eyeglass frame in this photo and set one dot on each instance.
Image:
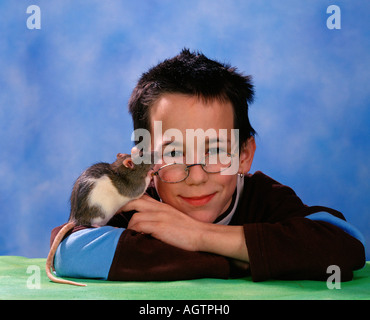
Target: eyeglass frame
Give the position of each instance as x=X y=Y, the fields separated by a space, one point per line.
x=186 y=168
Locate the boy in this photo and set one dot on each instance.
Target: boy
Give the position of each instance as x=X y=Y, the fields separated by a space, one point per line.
x=199 y=219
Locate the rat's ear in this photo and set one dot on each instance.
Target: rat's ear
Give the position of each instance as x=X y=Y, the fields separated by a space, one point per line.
x=128 y=163
x=122 y=155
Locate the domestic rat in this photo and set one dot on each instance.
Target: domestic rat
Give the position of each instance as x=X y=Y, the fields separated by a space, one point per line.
x=97 y=195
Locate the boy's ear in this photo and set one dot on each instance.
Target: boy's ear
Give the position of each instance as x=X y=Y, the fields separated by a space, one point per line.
x=246 y=155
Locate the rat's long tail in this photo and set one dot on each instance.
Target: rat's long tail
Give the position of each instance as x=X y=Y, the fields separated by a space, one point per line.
x=50 y=259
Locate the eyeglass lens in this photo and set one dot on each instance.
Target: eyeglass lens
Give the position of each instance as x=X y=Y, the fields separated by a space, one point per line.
x=178 y=172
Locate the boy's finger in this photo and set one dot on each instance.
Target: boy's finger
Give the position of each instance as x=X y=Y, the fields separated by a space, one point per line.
x=141 y=204
x=148 y=198
x=141 y=221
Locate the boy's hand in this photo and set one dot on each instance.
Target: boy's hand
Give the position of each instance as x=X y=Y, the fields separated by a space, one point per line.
x=164 y=223
x=174 y=227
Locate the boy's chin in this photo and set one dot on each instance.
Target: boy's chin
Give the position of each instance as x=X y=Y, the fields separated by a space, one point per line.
x=203 y=215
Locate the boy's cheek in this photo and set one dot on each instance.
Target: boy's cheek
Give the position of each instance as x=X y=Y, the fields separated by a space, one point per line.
x=166 y=191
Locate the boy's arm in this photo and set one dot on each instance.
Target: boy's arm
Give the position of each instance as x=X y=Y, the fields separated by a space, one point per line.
x=112 y=253
x=140 y=257
x=273 y=230
x=300 y=248
x=289 y=240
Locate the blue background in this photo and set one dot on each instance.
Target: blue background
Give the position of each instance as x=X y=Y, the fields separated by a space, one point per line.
x=64 y=91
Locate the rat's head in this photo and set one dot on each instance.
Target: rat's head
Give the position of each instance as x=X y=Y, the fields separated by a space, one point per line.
x=131 y=179
x=127 y=166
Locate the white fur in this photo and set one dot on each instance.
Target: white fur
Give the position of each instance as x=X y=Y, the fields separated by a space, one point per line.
x=105 y=195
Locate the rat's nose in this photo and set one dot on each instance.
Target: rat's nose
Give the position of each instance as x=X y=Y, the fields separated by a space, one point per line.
x=136 y=152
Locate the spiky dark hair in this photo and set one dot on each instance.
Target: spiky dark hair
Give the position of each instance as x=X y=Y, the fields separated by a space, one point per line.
x=192 y=73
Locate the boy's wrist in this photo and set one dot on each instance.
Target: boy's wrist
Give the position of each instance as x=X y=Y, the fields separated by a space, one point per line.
x=228 y=241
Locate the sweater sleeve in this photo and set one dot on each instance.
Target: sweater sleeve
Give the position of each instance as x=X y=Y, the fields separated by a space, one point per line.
x=140 y=257
x=115 y=253
x=289 y=240
x=300 y=248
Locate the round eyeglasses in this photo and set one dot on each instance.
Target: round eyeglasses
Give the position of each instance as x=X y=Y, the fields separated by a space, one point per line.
x=177 y=172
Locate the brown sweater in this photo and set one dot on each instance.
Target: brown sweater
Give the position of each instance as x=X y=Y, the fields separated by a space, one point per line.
x=285 y=239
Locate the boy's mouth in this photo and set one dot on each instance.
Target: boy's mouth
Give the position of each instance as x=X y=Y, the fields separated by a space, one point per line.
x=199 y=201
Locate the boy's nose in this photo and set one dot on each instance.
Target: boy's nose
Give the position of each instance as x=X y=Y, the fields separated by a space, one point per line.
x=196 y=175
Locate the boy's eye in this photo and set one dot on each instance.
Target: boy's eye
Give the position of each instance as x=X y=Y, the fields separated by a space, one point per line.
x=174 y=154
x=216 y=151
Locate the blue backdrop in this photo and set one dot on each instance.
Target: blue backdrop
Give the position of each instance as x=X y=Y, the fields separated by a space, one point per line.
x=64 y=90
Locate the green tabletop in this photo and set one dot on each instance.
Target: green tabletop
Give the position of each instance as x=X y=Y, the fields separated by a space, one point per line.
x=23 y=278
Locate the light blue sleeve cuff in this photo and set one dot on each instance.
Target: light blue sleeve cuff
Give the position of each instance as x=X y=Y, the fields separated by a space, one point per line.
x=342 y=224
x=87 y=253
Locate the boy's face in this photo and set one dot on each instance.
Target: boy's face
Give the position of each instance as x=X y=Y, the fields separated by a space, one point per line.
x=203 y=196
